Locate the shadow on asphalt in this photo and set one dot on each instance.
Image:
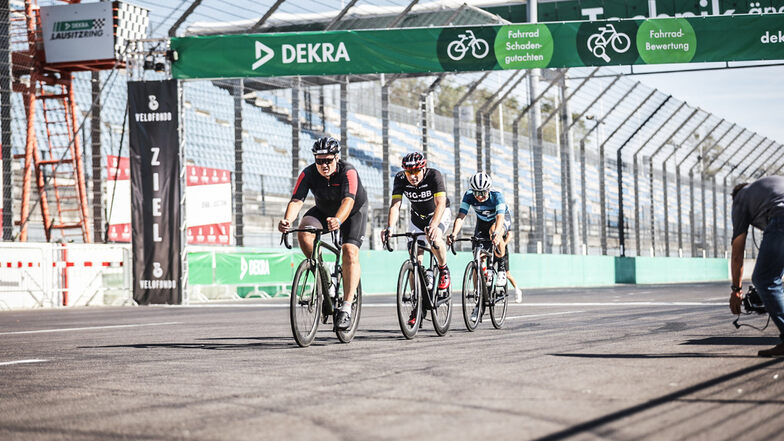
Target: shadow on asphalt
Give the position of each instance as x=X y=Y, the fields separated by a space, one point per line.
x=735 y=340
x=653 y=356
x=674 y=396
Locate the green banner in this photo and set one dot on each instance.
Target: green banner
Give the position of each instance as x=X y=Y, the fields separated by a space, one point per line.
x=519 y=46
x=569 y=10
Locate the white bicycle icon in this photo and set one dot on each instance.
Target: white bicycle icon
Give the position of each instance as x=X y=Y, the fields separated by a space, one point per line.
x=597 y=43
x=458 y=48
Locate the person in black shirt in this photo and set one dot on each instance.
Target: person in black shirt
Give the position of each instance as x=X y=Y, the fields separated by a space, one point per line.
x=760 y=204
x=341 y=203
x=425 y=190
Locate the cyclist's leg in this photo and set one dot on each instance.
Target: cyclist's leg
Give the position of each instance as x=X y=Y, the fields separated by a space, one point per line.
x=312 y=218
x=440 y=253
x=501 y=249
x=352 y=234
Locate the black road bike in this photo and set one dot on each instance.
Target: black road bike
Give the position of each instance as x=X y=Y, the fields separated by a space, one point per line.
x=417 y=291
x=481 y=290
x=316 y=294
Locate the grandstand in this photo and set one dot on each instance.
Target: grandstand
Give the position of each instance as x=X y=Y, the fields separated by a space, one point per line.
x=266 y=112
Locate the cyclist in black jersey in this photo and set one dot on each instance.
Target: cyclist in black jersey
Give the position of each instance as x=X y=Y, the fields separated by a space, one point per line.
x=425 y=190
x=341 y=203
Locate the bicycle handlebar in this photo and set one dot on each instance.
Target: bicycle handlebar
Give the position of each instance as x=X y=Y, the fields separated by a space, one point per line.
x=414 y=236
x=474 y=240
x=284 y=237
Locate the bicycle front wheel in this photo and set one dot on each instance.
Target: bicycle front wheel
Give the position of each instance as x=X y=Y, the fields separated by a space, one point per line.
x=305 y=303
x=472 y=297
x=347 y=335
x=409 y=302
x=442 y=311
x=498 y=307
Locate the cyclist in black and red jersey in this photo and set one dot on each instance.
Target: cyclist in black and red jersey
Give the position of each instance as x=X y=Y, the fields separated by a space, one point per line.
x=341 y=203
x=425 y=190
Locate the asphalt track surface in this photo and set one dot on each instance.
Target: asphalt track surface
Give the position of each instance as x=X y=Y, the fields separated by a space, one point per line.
x=619 y=363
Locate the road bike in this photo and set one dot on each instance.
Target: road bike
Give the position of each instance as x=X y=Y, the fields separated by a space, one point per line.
x=417 y=290
x=481 y=290
x=316 y=294
x=597 y=43
x=458 y=48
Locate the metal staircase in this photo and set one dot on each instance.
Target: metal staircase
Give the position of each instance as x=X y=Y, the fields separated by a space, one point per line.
x=55 y=160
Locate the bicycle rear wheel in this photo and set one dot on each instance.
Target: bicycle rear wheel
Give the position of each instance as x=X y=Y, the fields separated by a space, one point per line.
x=498 y=307
x=347 y=335
x=305 y=303
x=442 y=312
x=472 y=297
x=409 y=301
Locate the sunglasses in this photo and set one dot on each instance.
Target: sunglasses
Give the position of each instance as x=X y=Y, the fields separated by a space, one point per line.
x=414 y=172
x=481 y=194
x=322 y=161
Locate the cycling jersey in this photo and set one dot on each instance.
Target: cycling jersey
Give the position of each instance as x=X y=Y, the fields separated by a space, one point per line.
x=485 y=211
x=330 y=192
x=422 y=196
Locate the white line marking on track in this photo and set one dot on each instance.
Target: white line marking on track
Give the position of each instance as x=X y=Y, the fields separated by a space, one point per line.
x=33 y=360
x=621 y=304
x=543 y=315
x=89 y=328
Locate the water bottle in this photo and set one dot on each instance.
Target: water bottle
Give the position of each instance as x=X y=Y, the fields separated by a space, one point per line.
x=489 y=279
x=333 y=285
x=429 y=279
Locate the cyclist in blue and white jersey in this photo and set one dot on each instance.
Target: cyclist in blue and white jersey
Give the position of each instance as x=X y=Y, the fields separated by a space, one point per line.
x=492 y=219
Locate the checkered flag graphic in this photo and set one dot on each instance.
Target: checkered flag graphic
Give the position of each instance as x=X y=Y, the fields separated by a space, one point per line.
x=99 y=22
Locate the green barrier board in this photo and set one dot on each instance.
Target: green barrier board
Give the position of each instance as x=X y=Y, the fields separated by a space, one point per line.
x=517 y=46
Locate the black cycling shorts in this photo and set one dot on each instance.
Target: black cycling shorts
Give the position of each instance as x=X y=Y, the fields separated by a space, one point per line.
x=352 y=230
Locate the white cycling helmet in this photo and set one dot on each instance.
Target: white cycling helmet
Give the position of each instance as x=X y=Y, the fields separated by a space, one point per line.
x=480 y=182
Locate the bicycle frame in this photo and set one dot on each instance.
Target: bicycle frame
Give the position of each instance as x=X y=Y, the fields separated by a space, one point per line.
x=316 y=258
x=413 y=257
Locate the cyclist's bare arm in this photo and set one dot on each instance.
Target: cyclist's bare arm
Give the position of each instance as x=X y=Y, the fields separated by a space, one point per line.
x=458 y=223
x=394 y=211
x=292 y=210
x=499 y=221
x=438 y=213
x=346 y=205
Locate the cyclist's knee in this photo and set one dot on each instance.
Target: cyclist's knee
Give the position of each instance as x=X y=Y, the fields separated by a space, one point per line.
x=350 y=254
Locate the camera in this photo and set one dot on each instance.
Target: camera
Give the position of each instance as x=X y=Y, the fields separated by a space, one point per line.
x=752 y=302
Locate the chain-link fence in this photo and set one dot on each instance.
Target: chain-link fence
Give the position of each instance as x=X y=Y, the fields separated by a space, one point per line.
x=589 y=161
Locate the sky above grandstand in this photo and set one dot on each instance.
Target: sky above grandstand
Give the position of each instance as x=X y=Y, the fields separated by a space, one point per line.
x=751 y=97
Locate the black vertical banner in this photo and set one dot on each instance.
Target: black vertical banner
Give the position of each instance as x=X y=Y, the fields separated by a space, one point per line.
x=155 y=191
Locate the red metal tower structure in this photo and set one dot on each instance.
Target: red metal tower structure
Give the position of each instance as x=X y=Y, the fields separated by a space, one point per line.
x=55 y=160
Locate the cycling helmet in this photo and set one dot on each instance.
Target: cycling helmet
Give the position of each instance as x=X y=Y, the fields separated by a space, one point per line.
x=480 y=182
x=326 y=146
x=414 y=161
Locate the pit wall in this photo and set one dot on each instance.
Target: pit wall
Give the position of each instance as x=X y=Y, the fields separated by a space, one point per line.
x=380 y=270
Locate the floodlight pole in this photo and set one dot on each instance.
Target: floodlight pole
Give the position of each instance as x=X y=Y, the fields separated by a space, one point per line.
x=635 y=170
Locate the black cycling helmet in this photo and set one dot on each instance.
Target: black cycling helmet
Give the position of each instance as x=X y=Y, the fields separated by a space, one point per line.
x=414 y=161
x=326 y=146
